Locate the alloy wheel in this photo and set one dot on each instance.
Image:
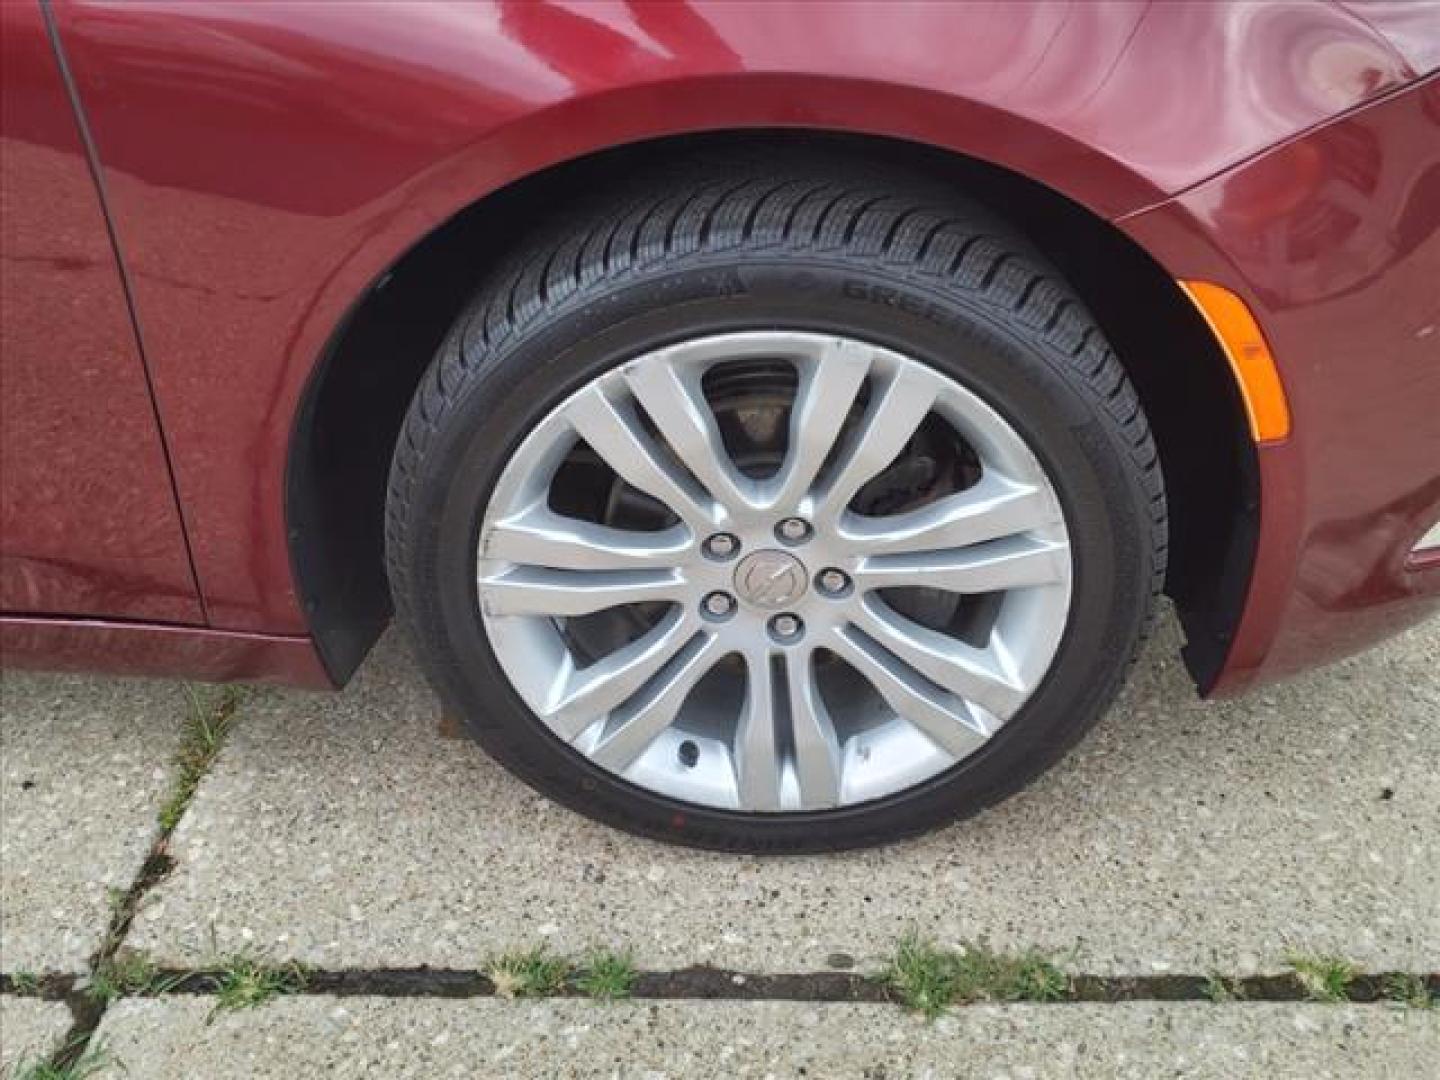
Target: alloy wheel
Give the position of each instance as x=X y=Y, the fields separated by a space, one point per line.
x=774 y=571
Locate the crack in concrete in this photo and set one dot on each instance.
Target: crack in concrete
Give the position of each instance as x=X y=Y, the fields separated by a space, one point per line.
x=704 y=983
x=87 y=1010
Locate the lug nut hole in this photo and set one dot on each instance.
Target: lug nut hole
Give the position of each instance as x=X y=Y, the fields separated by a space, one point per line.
x=787 y=629
x=718 y=605
x=793 y=530
x=832 y=583
x=722 y=546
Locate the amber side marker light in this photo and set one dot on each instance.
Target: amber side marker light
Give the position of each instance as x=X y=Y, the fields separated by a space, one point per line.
x=1249 y=355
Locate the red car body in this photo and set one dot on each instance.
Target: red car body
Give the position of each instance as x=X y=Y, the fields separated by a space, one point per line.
x=203 y=203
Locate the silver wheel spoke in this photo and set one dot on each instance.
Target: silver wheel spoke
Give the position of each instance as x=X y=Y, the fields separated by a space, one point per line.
x=1012 y=563
x=644 y=717
x=538 y=537
x=680 y=411
x=823 y=399
x=946 y=720
x=969 y=673
x=992 y=509
x=625 y=446
x=592 y=692
x=757 y=746
x=533 y=590
x=817 y=750
x=898 y=405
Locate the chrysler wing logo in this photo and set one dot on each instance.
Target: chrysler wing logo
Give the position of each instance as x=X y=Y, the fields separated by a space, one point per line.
x=770 y=579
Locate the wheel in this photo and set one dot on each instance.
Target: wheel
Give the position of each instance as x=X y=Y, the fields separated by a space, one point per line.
x=776 y=512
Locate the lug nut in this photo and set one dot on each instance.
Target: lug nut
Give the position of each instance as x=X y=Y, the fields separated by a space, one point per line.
x=786 y=628
x=793 y=529
x=721 y=546
x=832 y=582
x=719 y=604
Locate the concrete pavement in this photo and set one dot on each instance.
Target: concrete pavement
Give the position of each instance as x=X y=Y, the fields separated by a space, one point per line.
x=350 y=833
x=343 y=830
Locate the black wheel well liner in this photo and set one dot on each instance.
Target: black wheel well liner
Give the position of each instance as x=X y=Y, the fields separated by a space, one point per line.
x=345 y=430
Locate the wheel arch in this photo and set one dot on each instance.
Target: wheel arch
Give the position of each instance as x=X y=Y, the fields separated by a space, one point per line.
x=350 y=412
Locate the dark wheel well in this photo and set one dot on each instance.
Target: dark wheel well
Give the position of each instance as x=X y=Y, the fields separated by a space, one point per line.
x=346 y=429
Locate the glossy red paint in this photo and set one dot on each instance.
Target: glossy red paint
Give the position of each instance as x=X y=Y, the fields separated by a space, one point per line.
x=1409 y=25
x=266 y=163
x=90 y=522
x=1334 y=241
x=138 y=649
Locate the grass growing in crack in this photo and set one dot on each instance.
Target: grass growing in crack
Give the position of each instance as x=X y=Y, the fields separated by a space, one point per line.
x=606 y=976
x=1222 y=990
x=204 y=733
x=128 y=974
x=88 y=1062
x=927 y=979
x=1409 y=991
x=1323 y=978
x=922 y=976
x=530 y=973
x=246 y=981
x=25 y=984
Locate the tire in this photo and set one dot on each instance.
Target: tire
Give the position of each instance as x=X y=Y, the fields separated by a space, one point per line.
x=805 y=244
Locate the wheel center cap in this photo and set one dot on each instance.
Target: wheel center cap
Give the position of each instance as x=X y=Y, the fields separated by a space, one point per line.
x=770 y=579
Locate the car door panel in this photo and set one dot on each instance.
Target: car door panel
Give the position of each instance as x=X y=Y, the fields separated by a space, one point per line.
x=90 y=522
